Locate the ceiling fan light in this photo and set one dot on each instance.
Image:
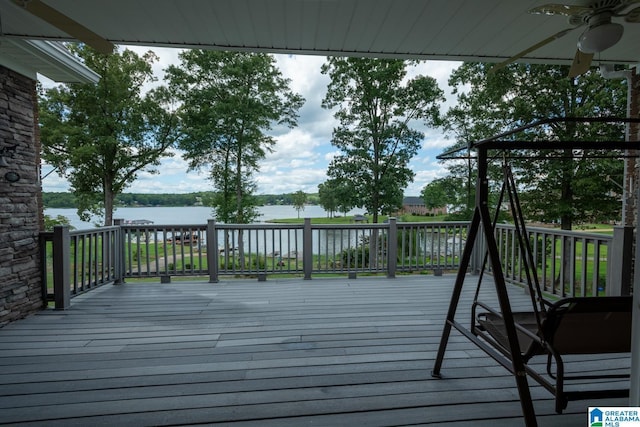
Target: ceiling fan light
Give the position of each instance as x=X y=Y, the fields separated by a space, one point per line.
x=600 y=37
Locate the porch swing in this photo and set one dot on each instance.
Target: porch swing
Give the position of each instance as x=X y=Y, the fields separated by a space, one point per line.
x=569 y=326
x=576 y=325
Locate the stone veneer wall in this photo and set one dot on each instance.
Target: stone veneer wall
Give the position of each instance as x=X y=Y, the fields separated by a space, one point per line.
x=20 y=202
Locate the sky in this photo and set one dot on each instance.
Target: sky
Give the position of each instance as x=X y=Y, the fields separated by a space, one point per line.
x=301 y=155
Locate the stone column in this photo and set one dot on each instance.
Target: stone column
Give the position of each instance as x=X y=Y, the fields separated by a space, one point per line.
x=21 y=290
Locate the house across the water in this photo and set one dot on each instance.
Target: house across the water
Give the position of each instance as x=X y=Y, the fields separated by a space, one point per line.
x=415 y=205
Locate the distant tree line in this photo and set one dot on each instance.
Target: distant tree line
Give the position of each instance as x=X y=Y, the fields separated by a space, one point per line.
x=67 y=200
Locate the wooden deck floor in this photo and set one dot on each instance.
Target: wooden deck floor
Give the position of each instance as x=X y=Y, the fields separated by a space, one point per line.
x=324 y=352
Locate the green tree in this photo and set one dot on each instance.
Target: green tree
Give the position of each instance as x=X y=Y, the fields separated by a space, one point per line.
x=101 y=136
x=50 y=222
x=564 y=186
x=327 y=198
x=336 y=196
x=376 y=109
x=58 y=200
x=230 y=101
x=299 y=199
x=435 y=194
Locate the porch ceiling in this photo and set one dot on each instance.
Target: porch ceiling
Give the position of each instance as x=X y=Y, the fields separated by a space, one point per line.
x=488 y=30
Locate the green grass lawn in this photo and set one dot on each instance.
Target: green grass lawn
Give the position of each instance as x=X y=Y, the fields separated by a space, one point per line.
x=594 y=228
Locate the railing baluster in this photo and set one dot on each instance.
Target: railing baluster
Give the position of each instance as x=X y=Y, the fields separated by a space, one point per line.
x=74 y=263
x=93 y=262
x=563 y=265
x=583 y=267
x=83 y=262
x=596 y=269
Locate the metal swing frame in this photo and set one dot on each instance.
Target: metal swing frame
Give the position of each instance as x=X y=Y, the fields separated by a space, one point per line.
x=509 y=352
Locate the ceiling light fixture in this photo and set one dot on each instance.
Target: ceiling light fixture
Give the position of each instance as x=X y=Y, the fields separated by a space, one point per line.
x=600 y=35
x=12 y=176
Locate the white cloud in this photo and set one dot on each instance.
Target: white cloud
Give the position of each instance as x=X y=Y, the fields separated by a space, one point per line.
x=436 y=141
x=172 y=177
x=424 y=177
x=295 y=144
x=331 y=155
x=305 y=75
x=52 y=182
x=290 y=181
x=163 y=186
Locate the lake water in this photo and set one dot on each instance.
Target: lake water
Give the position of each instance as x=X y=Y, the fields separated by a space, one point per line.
x=191 y=215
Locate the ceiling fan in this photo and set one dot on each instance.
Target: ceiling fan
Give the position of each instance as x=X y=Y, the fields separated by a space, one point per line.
x=66 y=24
x=601 y=33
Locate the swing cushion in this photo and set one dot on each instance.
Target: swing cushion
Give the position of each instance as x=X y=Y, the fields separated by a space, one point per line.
x=577 y=325
x=589 y=325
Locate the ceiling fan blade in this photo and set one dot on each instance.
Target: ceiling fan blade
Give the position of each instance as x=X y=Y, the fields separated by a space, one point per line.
x=626 y=3
x=531 y=49
x=66 y=24
x=560 y=9
x=633 y=16
x=581 y=63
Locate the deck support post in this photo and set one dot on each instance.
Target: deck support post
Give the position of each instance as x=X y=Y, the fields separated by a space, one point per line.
x=119 y=246
x=619 y=260
x=212 y=251
x=307 y=249
x=392 y=248
x=61 y=267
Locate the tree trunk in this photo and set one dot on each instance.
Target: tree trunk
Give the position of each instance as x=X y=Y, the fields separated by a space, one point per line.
x=108 y=205
x=239 y=211
x=566 y=195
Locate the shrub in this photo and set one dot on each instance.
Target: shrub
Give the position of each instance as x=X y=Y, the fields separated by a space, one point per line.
x=259 y=263
x=355 y=257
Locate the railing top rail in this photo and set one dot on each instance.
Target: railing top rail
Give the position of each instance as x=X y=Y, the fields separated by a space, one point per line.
x=365 y=226
x=93 y=231
x=434 y=224
x=268 y=225
x=564 y=233
x=162 y=226
x=259 y=226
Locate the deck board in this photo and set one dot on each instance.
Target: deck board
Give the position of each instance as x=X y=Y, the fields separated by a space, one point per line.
x=276 y=353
